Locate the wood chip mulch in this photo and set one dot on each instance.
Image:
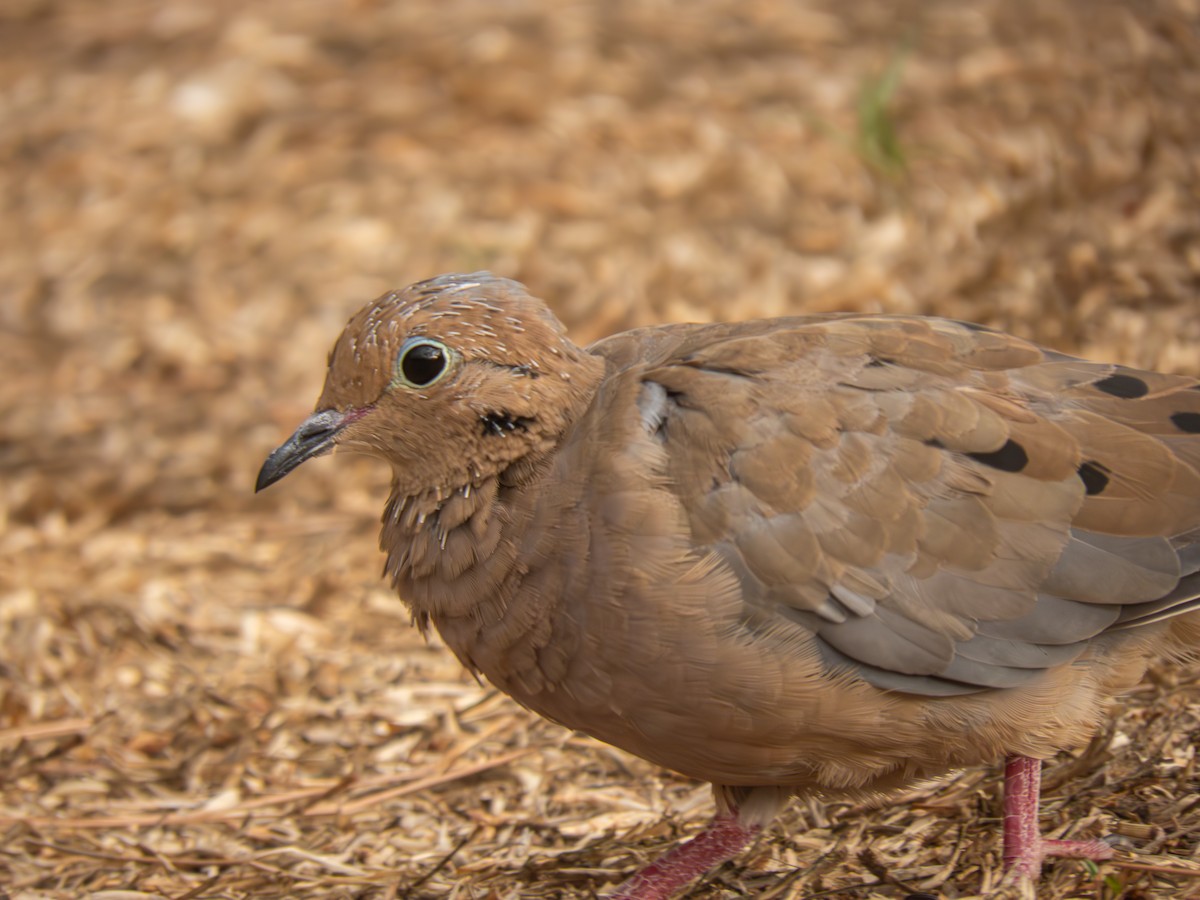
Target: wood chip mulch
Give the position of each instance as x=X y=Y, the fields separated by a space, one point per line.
x=208 y=694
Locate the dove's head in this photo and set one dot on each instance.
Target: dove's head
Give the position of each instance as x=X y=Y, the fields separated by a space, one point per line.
x=450 y=380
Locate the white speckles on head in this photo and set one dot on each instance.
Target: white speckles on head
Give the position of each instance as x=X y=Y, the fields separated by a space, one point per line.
x=460 y=286
x=480 y=317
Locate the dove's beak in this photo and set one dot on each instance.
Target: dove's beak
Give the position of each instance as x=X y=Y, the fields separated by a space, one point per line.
x=315 y=437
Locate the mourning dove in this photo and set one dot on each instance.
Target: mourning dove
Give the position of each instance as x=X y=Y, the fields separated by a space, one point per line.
x=828 y=554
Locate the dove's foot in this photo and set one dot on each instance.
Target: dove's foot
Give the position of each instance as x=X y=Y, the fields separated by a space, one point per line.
x=721 y=840
x=1024 y=846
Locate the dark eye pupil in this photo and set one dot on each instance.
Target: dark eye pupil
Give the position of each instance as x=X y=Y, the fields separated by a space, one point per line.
x=423 y=363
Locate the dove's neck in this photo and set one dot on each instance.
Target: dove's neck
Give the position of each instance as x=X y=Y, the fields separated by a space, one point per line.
x=471 y=559
x=456 y=560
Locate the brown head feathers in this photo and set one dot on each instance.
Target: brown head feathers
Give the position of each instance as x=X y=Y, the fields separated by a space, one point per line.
x=469 y=361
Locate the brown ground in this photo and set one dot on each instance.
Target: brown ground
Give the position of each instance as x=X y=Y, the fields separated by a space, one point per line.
x=209 y=694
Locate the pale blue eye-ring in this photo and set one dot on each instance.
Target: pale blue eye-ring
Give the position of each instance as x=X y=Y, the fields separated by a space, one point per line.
x=422 y=362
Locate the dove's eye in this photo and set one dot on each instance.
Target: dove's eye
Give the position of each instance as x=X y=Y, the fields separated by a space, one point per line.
x=422 y=361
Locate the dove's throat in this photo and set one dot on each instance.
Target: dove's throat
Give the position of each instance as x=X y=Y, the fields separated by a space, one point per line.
x=460 y=560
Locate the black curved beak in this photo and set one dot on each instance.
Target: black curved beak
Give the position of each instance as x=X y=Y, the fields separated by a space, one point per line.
x=314 y=437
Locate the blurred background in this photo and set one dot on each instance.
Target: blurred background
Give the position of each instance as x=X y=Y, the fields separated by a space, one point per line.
x=204 y=693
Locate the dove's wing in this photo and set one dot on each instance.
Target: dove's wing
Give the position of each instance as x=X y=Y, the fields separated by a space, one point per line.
x=948 y=509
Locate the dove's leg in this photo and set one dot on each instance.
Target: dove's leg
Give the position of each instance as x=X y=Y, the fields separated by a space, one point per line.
x=721 y=840
x=1024 y=847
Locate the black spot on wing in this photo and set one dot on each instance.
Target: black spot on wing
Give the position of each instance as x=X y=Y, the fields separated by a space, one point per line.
x=1009 y=458
x=1094 y=476
x=1186 y=421
x=1127 y=387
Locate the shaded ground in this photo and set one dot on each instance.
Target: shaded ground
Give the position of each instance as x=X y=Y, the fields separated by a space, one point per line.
x=207 y=694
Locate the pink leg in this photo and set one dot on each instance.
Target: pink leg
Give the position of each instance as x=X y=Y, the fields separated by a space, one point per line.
x=1024 y=848
x=721 y=840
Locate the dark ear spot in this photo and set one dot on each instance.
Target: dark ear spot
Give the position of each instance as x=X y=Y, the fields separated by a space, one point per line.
x=1186 y=421
x=1127 y=387
x=503 y=423
x=1094 y=476
x=1009 y=458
